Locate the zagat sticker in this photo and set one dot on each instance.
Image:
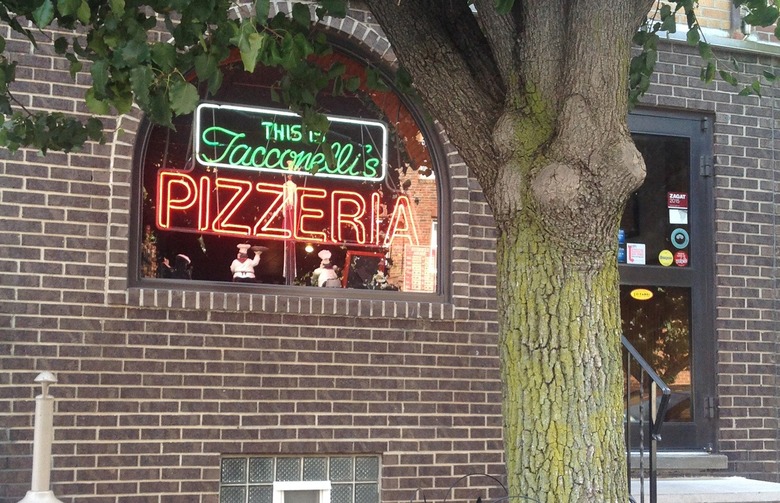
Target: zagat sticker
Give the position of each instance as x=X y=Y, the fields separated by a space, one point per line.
x=680 y=238
x=665 y=258
x=677 y=200
x=681 y=258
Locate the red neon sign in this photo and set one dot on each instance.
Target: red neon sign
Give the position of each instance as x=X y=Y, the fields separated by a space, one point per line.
x=279 y=211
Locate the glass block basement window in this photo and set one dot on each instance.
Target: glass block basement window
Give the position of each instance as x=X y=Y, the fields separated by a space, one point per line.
x=353 y=479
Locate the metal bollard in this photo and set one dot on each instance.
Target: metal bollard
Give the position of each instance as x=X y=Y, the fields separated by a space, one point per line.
x=44 y=434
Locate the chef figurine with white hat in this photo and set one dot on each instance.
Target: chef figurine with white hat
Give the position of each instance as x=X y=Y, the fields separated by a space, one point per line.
x=325 y=275
x=242 y=268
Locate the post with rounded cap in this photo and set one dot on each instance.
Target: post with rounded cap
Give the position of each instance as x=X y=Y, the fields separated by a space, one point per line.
x=44 y=433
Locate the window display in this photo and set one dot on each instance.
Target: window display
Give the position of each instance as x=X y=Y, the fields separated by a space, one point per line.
x=244 y=174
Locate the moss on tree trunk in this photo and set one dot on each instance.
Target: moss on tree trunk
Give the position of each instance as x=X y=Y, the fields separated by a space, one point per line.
x=561 y=367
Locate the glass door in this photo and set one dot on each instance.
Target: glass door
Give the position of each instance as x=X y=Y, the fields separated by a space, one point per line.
x=665 y=250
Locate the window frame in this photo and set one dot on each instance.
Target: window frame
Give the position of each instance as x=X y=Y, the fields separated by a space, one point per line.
x=322 y=486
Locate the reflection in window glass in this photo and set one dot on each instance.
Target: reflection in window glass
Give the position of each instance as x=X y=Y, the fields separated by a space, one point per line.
x=655 y=228
x=243 y=193
x=659 y=328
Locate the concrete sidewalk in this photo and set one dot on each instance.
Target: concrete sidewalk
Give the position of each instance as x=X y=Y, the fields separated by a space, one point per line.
x=711 y=490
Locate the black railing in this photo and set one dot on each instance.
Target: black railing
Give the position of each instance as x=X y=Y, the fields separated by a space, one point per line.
x=645 y=411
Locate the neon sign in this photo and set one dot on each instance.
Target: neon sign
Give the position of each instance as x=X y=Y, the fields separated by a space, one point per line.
x=280 y=211
x=266 y=139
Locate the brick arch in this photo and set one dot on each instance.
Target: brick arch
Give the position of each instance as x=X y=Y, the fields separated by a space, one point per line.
x=454 y=192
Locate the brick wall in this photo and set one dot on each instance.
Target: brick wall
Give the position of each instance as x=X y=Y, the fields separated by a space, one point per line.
x=156 y=385
x=745 y=249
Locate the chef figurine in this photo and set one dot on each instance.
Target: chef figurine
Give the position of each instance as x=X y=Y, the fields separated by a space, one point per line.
x=242 y=268
x=326 y=274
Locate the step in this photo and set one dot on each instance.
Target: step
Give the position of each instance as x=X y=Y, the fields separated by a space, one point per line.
x=710 y=490
x=680 y=461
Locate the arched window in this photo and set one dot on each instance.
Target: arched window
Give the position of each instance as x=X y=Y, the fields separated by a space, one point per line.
x=241 y=192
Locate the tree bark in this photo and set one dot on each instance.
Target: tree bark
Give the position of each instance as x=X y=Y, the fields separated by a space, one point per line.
x=561 y=368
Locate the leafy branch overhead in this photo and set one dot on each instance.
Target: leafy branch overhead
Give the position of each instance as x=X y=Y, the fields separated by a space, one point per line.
x=166 y=76
x=664 y=20
x=112 y=41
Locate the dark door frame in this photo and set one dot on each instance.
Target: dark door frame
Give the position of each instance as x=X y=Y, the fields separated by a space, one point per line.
x=700 y=276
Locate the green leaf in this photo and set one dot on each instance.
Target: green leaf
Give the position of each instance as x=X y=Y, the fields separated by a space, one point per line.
x=94 y=129
x=756 y=87
x=123 y=100
x=728 y=77
x=44 y=14
x=769 y=76
x=205 y=65
x=84 y=13
x=335 y=8
x=215 y=82
x=183 y=97
x=133 y=53
x=693 y=36
x=262 y=11
x=160 y=109
x=301 y=14
x=708 y=73
x=95 y=105
x=375 y=81
x=117 y=7
x=705 y=51
x=352 y=84
x=141 y=79
x=68 y=7
x=337 y=69
x=250 y=48
x=100 y=75
x=164 y=56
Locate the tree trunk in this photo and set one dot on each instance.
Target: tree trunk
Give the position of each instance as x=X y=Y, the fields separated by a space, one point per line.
x=561 y=366
x=556 y=164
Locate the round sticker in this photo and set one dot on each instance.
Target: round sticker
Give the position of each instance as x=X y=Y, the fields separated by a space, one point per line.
x=641 y=294
x=665 y=258
x=681 y=258
x=680 y=238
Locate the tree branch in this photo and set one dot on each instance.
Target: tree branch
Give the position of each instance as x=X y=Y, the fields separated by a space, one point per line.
x=500 y=32
x=463 y=102
x=490 y=60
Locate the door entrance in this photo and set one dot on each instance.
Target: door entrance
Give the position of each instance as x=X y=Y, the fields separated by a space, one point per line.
x=665 y=261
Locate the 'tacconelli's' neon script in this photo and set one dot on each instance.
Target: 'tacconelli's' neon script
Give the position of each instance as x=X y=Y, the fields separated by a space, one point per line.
x=280 y=211
x=262 y=139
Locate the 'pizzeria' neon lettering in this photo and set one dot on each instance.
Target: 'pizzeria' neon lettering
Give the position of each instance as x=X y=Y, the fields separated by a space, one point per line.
x=280 y=211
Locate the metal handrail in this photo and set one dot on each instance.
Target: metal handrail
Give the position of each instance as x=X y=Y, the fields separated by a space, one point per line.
x=655 y=422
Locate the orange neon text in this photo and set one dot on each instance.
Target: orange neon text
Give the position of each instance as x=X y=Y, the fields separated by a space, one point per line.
x=280 y=211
